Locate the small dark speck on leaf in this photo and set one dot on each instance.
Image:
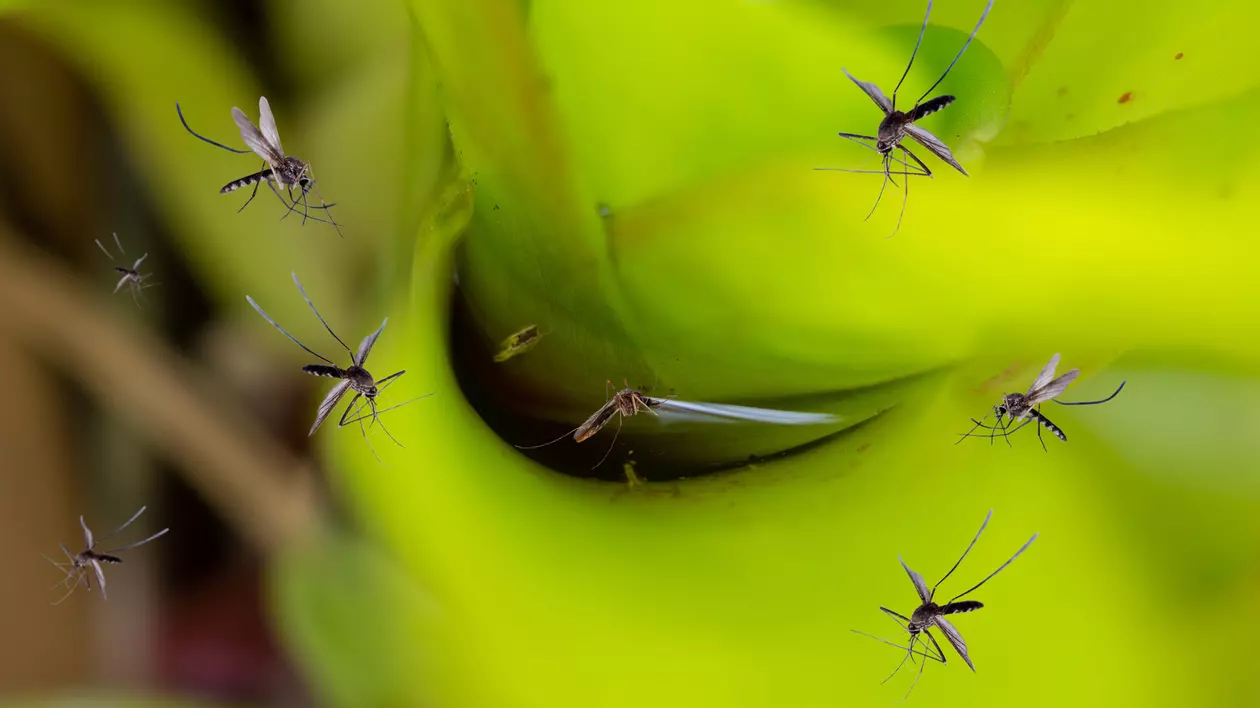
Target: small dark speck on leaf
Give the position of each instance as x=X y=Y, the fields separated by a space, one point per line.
x=1063 y=90
x=1126 y=97
x=1179 y=55
x=1070 y=116
x=496 y=207
x=863 y=447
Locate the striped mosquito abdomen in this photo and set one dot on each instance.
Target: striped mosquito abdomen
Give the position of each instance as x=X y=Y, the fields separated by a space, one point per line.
x=246 y=181
x=1032 y=412
x=329 y=371
x=953 y=608
x=929 y=107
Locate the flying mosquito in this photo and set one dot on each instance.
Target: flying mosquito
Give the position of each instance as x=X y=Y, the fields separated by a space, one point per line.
x=930 y=615
x=76 y=569
x=897 y=125
x=1015 y=407
x=627 y=402
x=518 y=343
x=131 y=277
x=278 y=169
x=355 y=377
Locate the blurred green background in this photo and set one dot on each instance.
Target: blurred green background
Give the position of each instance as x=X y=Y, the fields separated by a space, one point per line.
x=637 y=179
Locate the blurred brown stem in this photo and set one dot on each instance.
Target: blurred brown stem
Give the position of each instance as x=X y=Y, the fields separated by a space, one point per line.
x=265 y=492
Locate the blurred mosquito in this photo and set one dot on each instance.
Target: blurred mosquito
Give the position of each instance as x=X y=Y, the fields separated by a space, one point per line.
x=897 y=125
x=518 y=343
x=929 y=614
x=355 y=377
x=278 y=169
x=131 y=277
x=627 y=402
x=76 y=569
x=1015 y=407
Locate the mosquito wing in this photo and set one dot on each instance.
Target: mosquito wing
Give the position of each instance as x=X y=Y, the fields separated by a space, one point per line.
x=1047 y=373
x=920 y=586
x=873 y=91
x=254 y=138
x=1052 y=389
x=955 y=639
x=596 y=422
x=267 y=122
x=100 y=577
x=328 y=404
x=934 y=145
x=136 y=266
x=724 y=412
x=365 y=347
x=87 y=533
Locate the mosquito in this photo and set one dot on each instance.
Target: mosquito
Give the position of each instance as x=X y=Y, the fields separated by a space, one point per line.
x=131 y=277
x=1015 y=407
x=518 y=343
x=930 y=615
x=76 y=569
x=897 y=125
x=279 y=169
x=355 y=377
x=628 y=402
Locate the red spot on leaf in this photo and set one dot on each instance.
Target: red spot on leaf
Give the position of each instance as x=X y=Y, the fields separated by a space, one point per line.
x=1126 y=97
x=1179 y=55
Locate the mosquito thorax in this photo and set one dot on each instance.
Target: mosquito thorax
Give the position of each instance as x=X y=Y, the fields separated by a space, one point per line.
x=923 y=616
x=361 y=381
x=291 y=171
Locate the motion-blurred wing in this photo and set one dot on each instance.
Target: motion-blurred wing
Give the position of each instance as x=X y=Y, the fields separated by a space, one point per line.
x=955 y=639
x=87 y=533
x=267 y=123
x=254 y=138
x=919 y=585
x=873 y=91
x=725 y=412
x=100 y=578
x=329 y=403
x=365 y=347
x=934 y=145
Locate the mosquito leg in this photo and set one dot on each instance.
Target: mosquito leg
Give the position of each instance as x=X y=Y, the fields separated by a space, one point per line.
x=880 y=196
x=1039 y=438
x=968 y=434
x=610 y=445
x=905 y=197
x=252 y=194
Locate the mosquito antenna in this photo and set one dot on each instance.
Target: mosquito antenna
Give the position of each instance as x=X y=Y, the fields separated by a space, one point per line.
x=964 y=555
x=620 y=420
x=906 y=73
x=293 y=339
x=128 y=547
x=909 y=653
x=202 y=137
x=968 y=434
x=1090 y=403
x=290 y=207
x=960 y=51
x=1008 y=562
x=317 y=315
x=369 y=443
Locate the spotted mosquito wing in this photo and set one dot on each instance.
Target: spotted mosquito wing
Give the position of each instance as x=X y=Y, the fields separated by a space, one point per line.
x=365 y=347
x=919 y=585
x=873 y=91
x=934 y=145
x=254 y=138
x=724 y=412
x=328 y=404
x=1054 y=388
x=955 y=639
x=267 y=123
